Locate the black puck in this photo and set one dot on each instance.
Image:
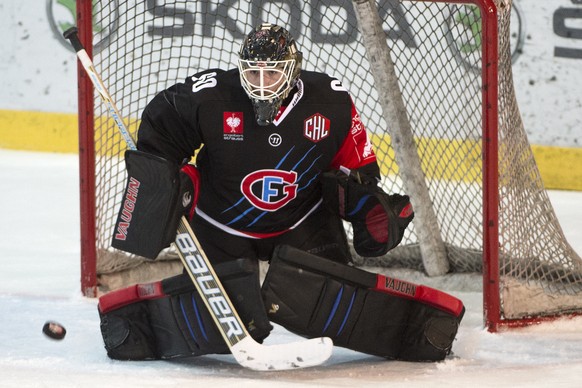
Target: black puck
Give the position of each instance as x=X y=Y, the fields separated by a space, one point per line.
x=54 y=330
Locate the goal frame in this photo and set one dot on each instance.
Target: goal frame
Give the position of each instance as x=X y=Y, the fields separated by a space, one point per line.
x=493 y=320
x=86 y=103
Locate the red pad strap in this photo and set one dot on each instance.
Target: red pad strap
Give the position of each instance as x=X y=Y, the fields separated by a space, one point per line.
x=132 y=294
x=423 y=294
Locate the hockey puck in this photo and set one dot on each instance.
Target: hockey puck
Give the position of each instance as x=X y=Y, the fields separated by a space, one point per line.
x=54 y=330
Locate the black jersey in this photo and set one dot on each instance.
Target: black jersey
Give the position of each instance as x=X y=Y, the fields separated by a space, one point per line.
x=256 y=181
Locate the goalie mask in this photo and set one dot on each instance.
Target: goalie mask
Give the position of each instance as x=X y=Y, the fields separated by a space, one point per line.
x=269 y=66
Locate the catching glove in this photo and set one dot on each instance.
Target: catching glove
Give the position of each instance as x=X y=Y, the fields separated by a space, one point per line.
x=378 y=219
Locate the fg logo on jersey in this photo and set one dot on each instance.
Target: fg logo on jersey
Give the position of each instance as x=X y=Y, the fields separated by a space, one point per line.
x=269 y=190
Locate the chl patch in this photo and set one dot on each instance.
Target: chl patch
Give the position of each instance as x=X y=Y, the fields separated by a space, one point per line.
x=316 y=127
x=233 y=126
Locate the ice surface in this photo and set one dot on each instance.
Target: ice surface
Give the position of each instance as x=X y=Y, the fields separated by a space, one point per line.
x=39 y=281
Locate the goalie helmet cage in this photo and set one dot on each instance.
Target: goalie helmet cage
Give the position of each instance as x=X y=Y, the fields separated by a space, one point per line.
x=453 y=64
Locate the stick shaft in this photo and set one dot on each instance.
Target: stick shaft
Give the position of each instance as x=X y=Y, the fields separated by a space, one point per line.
x=71 y=35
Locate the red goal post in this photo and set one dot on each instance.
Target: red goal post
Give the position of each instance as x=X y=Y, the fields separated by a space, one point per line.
x=478 y=196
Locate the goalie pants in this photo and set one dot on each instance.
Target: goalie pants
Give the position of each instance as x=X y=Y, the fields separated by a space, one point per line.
x=322 y=234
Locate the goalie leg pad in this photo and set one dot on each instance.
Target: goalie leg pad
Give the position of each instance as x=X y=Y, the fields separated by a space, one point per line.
x=335 y=303
x=127 y=334
x=168 y=319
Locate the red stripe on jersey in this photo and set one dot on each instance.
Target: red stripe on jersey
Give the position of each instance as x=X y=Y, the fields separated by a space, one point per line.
x=356 y=151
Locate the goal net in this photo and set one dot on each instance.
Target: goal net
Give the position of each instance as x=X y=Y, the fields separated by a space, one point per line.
x=447 y=92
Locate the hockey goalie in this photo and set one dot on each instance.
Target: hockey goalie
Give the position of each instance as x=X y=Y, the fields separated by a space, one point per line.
x=282 y=161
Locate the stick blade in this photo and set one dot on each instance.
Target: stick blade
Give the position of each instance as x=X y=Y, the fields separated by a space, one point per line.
x=295 y=355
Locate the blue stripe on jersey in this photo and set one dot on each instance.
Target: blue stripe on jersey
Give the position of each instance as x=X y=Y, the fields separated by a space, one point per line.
x=241 y=215
x=308 y=183
x=309 y=168
x=257 y=218
x=304 y=156
x=235 y=205
x=284 y=157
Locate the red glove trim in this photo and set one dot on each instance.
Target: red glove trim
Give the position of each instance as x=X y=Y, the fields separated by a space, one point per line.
x=194 y=175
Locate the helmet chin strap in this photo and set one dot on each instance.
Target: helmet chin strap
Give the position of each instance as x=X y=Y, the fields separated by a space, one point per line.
x=265 y=111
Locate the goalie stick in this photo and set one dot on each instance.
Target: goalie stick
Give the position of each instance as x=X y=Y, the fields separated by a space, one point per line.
x=244 y=348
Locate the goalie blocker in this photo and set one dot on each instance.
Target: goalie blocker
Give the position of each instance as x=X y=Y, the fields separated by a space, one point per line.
x=157 y=190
